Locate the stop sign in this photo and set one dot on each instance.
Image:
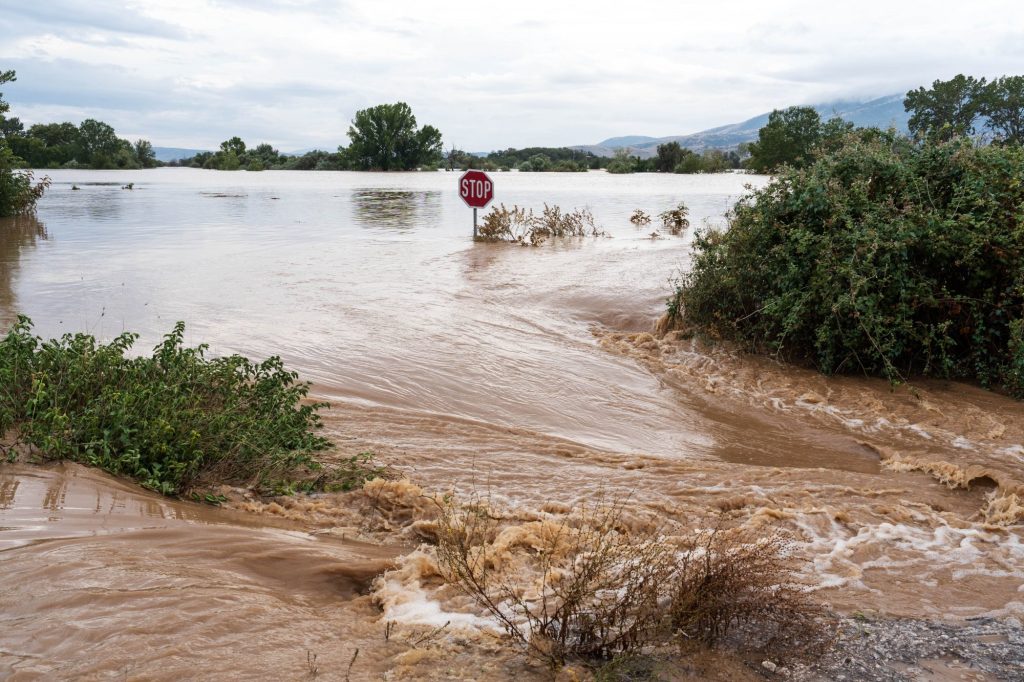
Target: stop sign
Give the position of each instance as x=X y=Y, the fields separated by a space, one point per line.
x=476 y=188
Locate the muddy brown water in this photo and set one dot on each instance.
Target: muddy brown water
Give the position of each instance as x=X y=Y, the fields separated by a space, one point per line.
x=525 y=372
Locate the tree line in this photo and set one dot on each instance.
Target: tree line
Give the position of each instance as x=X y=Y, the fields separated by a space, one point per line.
x=961 y=107
x=385 y=137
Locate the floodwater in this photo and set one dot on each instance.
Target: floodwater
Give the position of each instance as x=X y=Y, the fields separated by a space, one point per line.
x=525 y=372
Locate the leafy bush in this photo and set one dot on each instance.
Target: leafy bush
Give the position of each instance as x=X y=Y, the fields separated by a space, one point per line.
x=522 y=226
x=18 y=189
x=883 y=256
x=166 y=420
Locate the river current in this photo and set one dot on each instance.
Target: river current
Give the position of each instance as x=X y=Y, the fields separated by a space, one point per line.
x=530 y=371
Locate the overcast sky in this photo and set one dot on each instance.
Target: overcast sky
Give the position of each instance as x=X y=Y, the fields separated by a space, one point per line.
x=489 y=74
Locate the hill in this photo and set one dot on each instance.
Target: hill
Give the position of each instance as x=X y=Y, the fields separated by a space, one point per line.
x=881 y=112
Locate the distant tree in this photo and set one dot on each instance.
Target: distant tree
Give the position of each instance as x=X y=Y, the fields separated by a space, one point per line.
x=144 y=154
x=669 y=156
x=622 y=162
x=261 y=157
x=714 y=161
x=234 y=145
x=385 y=137
x=946 y=110
x=689 y=162
x=1003 y=105
x=787 y=139
x=98 y=144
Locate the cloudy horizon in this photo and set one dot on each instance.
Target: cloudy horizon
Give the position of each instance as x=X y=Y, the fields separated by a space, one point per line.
x=294 y=72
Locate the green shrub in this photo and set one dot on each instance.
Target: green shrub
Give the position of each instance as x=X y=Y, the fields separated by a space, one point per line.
x=167 y=420
x=18 y=189
x=883 y=256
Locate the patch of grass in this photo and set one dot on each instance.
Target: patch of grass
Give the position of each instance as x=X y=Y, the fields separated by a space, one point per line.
x=523 y=226
x=169 y=420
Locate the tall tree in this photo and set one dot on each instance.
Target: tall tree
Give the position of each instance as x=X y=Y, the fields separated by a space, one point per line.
x=946 y=110
x=669 y=156
x=1003 y=107
x=144 y=154
x=385 y=137
x=788 y=138
x=98 y=144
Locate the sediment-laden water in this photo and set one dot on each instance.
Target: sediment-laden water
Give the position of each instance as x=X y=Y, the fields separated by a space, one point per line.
x=528 y=373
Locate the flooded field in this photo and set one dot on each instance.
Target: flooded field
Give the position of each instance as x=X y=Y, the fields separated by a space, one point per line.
x=530 y=373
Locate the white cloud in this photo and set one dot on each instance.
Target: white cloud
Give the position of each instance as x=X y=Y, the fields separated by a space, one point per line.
x=489 y=75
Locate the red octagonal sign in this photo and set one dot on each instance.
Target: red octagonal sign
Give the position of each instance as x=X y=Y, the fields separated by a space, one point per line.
x=476 y=188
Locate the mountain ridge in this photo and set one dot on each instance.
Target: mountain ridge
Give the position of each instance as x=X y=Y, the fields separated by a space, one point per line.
x=882 y=112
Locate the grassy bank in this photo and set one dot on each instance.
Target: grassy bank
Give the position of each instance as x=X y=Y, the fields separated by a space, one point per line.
x=170 y=420
x=883 y=256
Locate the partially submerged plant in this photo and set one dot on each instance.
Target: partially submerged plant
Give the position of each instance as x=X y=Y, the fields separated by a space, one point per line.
x=522 y=226
x=587 y=588
x=595 y=589
x=168 y=420
x=735 y=583
x=640 y=218
x=674 y=220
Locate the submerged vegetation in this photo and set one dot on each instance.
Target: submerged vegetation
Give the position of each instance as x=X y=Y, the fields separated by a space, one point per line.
x=19 y=190
x=593 y=590
x=885 y=255
x=170 y=420
x=523 y=226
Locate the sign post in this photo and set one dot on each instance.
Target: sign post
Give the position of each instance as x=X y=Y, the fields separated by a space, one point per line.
x=477 y=190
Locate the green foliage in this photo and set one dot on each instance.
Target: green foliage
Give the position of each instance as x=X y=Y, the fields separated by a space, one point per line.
x=144 y=155
x=385 y=137
x=787 y=139
x=167 y=420
x=1004 y=109
x=623 y=163
x=530 y=159
x=884 y=256
x=18 y=189
x=946 y=110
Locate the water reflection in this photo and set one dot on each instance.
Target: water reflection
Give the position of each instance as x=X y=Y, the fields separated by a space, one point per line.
x=16 y=234
x=402 y=210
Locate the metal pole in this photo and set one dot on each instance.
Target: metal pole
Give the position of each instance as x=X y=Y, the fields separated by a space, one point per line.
x=474 y=223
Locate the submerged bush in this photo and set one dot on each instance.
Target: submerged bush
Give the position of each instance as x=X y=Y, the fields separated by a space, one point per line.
x=674 y=220
x=882 y=256
x=588 y=588
x=522 y=226
x=19 y=190
x=167 y=420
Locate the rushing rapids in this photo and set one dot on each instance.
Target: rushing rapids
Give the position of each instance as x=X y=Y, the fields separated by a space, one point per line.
x=530 y=375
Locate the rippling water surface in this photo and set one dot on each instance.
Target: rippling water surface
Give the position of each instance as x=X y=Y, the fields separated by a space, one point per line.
x=528 y=370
